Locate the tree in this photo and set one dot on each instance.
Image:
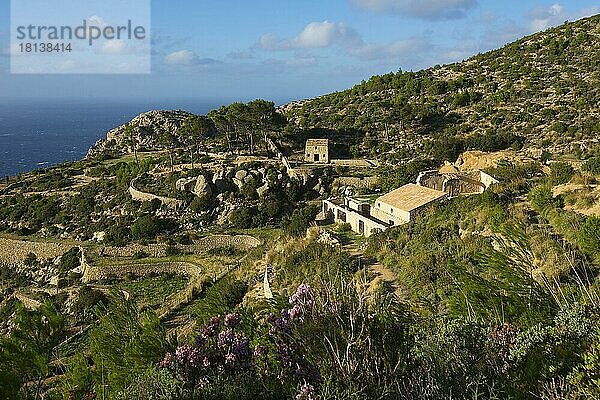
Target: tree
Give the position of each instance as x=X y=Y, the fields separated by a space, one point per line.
x=265 y=116
x=145 y=227
x=195 y=130
x=168 y=141
x=300 y=220
x=130 y=134
x=222 y=124
x=238 y=115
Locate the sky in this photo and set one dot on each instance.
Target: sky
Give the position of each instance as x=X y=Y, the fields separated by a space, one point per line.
x=234 y=50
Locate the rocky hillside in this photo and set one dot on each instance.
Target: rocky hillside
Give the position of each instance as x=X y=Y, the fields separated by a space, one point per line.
x=147 y=129
x=542 y=90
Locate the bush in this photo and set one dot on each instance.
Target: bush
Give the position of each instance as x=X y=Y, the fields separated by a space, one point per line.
x=145 y=227
x=70 y=260
x=201 y=203
x=592 y=166
x=300 y=220
x=561 y=173
x=541 y=198
x=242 y=218
x=589 y=236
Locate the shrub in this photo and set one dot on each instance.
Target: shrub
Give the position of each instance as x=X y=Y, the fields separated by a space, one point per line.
x=145 y=227
x=562 y=172
x=592 y=166
x=242 y=218
x=541 y=198
x=70 y=260
x=300 y=220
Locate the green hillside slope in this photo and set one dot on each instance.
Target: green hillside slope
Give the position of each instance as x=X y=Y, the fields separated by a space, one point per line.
x=542 y=90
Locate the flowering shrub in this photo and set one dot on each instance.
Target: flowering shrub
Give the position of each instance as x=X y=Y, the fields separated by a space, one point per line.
x=217 y=350
x=221 y=352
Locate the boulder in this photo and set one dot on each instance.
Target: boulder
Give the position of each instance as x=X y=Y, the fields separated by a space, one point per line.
x=262 y=190
x=241 y=174
x=202 y=187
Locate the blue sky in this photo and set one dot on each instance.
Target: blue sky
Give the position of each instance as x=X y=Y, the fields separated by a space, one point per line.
x=240 y=50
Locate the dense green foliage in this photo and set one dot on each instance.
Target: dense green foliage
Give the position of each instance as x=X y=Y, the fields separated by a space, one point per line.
x=477 y=104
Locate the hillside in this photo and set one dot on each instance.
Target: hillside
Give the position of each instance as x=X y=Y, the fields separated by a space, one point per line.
x=542 y=90
x=202 y=257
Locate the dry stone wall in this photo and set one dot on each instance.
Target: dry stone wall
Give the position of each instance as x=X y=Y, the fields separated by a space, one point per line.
x=97 y=273
x=203 y=245
x=13 y=252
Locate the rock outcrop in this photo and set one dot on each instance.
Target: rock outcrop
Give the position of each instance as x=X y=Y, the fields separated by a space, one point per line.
x=147 y=128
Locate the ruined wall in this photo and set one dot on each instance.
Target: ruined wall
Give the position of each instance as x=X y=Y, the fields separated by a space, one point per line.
x=203 y=245
x=368 y=182
x=95 y=273
x=141 y=196
x=360 y=224
x=13 y=252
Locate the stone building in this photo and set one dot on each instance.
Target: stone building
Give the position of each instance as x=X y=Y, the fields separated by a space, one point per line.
x=455 y=183
x=401 y=205
x=353 y=212
x=317 y=151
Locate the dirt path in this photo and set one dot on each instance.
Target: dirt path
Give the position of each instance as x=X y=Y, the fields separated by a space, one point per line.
x=377 y=269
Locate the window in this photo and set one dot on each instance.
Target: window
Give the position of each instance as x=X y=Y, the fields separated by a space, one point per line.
x=391 y=210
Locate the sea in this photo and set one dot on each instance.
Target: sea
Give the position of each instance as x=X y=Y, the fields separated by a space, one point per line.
x=36 y=134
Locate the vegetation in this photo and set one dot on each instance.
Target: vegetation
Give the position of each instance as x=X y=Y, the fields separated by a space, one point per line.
x=487 y=296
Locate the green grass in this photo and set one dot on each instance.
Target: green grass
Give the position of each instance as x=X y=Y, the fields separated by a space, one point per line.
x=153 y=292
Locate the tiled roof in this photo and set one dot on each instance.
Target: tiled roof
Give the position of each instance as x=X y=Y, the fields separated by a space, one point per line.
x=410 y=197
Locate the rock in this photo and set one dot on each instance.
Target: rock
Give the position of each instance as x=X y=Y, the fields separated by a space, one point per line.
x=185 y=184
x=248 y=179
x=202 y=187
x=241 y=174
x=99 y=236
x=328 y=238
x=262 y=190
x=238 y=183
x=149 y=127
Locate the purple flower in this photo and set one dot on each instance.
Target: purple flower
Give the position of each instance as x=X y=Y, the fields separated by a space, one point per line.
x=187 y=355
x=211 y=328
x=167 y=361
x=232 y=320
x=303 y=295
x=307 y=392
x=230 y=359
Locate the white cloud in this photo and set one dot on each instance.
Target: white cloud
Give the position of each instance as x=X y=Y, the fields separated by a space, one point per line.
x=542 y=18
x=114 y=47
x=188 y=57
x=182 y=57
x=424 y=9
x=315 y=35
x=97 y=21
x=392 y=51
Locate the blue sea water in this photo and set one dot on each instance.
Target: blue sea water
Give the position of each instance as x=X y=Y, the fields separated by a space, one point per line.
x=40 y=133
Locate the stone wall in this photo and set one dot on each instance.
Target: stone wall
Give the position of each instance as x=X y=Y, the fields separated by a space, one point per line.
x=368 y=182
x=95 y=273
x=203 y=245
x=142 y=196
x=13 y=252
